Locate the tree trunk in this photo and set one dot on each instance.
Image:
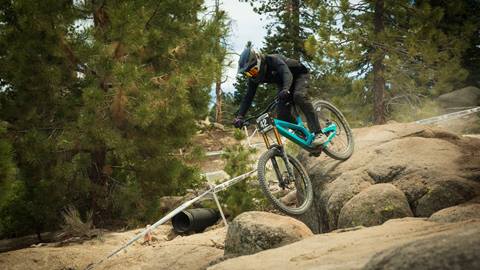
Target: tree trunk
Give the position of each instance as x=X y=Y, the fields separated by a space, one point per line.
x=218 y=109
x=98 y=179
x=295 y=28
x=26 y=241
x=218 y=81
x=99 y=182
x=378 y=67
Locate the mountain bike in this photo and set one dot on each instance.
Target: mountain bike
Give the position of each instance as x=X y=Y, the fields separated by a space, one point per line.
x=283 y=179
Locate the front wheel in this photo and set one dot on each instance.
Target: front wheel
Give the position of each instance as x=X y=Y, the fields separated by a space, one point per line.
x=291 y=196
x=341 y=146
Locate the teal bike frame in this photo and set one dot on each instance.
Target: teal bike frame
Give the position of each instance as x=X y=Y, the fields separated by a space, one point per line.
x=285 y=129
x=296 y=132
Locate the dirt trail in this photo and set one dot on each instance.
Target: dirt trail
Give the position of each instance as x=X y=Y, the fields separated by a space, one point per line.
x=189 y=252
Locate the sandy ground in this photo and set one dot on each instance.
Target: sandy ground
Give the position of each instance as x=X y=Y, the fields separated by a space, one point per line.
x=193 y=252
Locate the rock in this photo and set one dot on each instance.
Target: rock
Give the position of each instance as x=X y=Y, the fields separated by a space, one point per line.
x=445 y=193
x=475 y=200
x=452 y=251
x=457 y=213
x=219 y=126
x=204 y=123
x=216 y=176
x=416 y=159
x=465 y=97
x=251 y=232
x=414 y=187
x=458 y=100
x=373 y=206
x=340 y=191
x=352 y=250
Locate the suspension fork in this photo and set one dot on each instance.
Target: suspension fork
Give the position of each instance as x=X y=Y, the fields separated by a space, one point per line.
x=274 y=162
x=281 y=148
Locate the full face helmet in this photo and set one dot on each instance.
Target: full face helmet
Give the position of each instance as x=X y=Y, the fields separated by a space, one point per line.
x=249 y=62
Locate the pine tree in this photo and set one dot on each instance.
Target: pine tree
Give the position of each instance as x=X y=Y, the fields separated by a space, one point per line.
x=395 y=48
x=37 y=98
x=461 y=19
x=97 y=95
x=243 y=196
x=291 y=22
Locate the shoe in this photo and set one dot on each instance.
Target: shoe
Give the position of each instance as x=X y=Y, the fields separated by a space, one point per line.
x=319 y=140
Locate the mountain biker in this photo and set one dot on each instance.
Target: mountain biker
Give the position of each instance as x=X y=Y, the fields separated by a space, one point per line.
x=291 y=78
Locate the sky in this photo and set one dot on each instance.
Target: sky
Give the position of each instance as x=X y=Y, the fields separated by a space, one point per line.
x=246 y=25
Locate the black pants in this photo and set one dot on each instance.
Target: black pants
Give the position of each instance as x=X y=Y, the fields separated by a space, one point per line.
x=299 y=95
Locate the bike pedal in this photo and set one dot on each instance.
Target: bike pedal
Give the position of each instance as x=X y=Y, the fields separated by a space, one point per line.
x=315 y=154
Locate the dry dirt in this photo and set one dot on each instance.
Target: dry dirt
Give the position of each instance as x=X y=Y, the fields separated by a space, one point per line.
x=189 y=252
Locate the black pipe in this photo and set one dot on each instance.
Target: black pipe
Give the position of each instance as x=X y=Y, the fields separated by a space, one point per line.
x=196 y=220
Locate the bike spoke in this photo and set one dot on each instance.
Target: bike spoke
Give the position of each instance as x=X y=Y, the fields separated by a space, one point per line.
x=291 y=194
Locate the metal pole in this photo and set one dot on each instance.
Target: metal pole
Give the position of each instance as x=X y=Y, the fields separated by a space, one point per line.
x=248 y=137
x=213 y=190
x=447 y=116
x=220 y=208
x=155 y=225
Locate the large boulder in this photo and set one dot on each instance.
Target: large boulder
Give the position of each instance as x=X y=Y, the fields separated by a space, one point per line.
x=457 y=213
x=433 y=168
x=374 y=206
x=440 y=252
x=445 y=193
x=458 y=100
x=465 y=97
x=339 y=192
x=251 y=232
x=353 y=249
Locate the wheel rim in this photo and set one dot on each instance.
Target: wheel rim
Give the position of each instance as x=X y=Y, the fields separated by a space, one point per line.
x=340 y=143
x=290 y=197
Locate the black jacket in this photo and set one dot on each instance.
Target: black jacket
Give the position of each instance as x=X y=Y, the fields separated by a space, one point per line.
x=276 y=69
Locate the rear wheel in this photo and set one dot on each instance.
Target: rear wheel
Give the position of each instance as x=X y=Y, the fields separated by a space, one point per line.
x=341 y=146
x=291 y=196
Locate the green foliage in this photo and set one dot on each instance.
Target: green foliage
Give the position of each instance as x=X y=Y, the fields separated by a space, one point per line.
x=243 y=196
x=420 y=46
x=7 y=165
x=96 y=106
x=197 y=153
x=239 y=134
x=238 y=159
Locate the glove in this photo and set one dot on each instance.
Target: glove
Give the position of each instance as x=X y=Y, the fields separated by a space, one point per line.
x=238 y=122
x=284 y=95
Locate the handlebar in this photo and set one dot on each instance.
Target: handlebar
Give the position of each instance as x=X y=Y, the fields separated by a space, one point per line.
x=269 y=108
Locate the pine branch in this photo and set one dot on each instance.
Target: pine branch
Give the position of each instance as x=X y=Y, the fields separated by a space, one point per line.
x=147 y=24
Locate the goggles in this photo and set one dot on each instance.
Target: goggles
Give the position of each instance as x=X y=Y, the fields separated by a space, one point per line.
x=253 y=72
